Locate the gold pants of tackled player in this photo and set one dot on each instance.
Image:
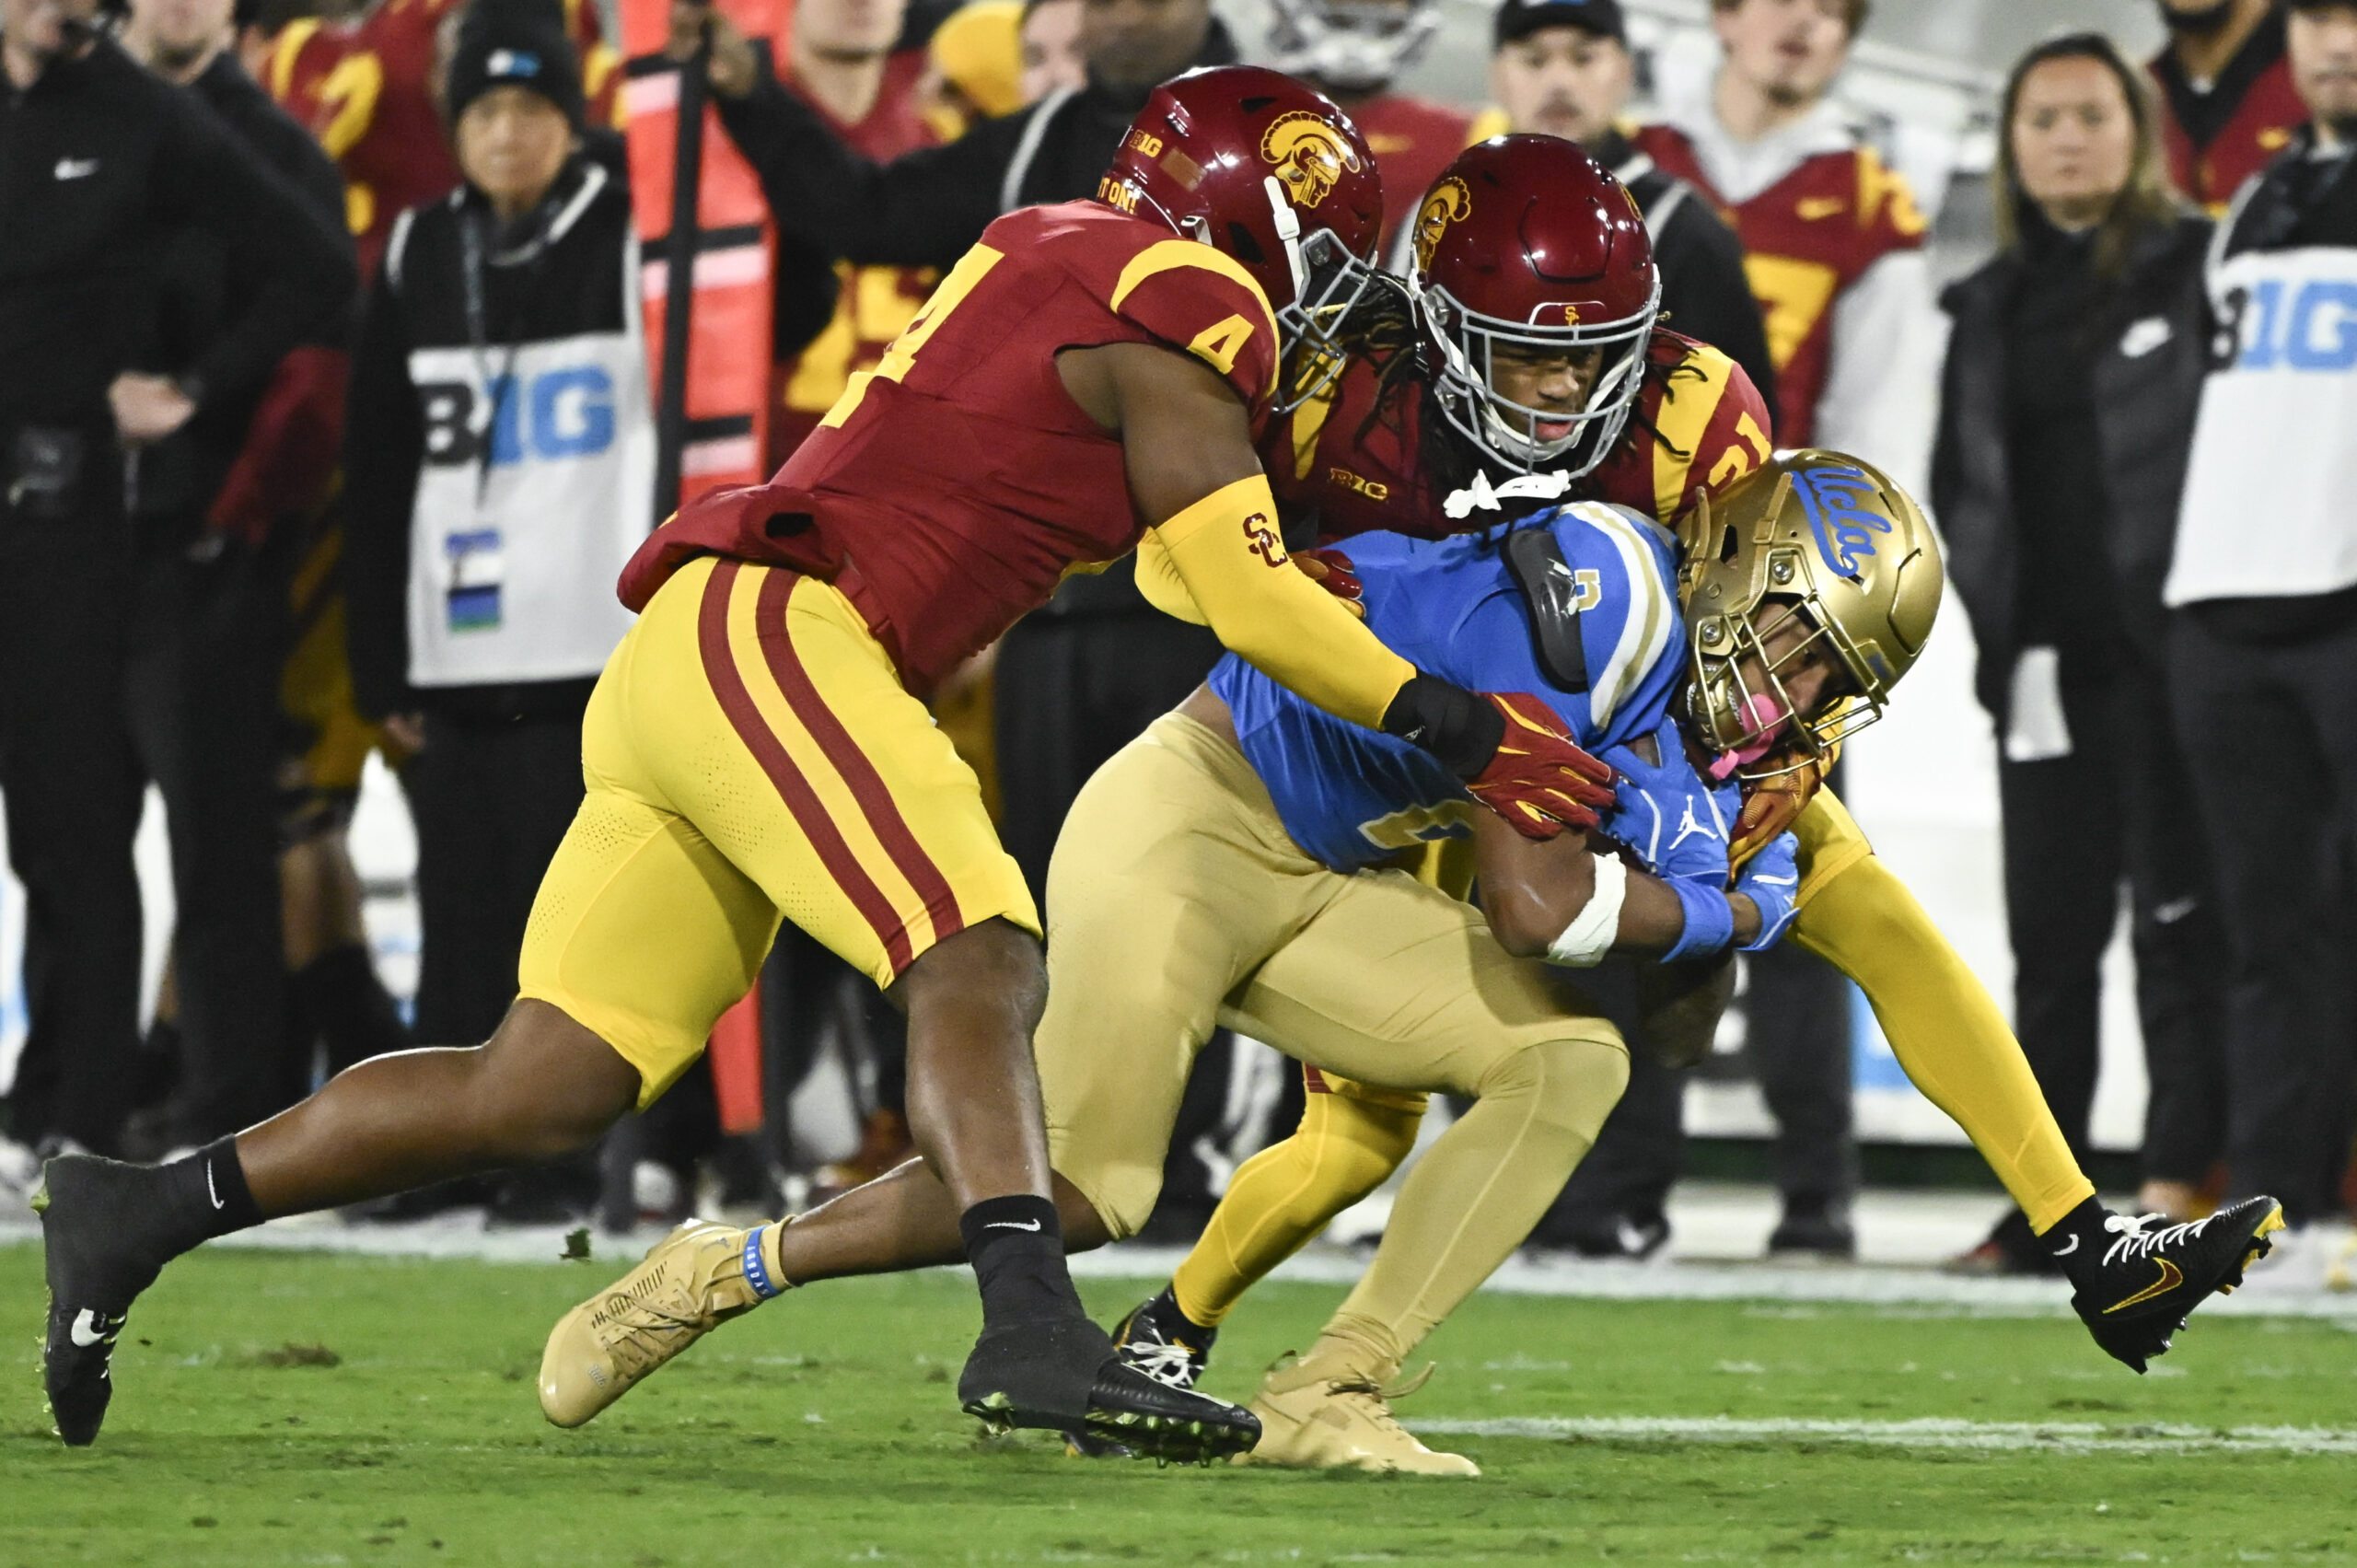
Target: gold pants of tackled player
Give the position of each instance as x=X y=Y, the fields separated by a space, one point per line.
x=1178 y=903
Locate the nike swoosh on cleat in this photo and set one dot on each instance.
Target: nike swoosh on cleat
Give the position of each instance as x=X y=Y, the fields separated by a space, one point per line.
x=85 y=1330
x=2066 y=1251
x=2171 y=1277
x=1012 y=1224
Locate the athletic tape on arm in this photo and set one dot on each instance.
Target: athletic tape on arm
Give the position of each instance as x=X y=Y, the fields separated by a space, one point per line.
x=1233 y=565
x=1591 y=934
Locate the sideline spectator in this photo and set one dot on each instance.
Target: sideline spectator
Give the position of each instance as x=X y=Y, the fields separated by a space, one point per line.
x=498 y=459
x=2230 y=105
x=1351 y=50
x=211 y=622
x=1562 y=68
x=2073 y=370
x=1049 y=39
x=2263 y=651
x=105 y=164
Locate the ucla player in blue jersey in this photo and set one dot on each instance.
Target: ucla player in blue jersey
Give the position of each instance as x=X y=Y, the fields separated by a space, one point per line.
x=1245 y=861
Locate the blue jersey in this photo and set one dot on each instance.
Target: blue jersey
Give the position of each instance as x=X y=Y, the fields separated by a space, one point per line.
x=1351 y=797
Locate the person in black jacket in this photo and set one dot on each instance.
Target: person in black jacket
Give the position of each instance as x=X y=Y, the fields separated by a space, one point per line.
x=100 y=165
x=211 y=628
x=499 y=470
x=1562 y=68
x=2067 y=408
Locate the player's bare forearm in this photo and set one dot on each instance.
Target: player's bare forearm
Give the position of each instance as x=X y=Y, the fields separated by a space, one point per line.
x=1533 y=889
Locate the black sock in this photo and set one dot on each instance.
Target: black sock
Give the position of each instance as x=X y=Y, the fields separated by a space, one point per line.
x=204 y=1196
x=1017 y=1244
x=2078 y=1240
x=1164 y=1310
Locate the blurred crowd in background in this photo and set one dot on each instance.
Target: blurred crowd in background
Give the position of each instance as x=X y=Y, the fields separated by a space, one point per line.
x=325 y=349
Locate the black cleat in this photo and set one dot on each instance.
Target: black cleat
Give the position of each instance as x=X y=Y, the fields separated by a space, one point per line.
x=2138 y=1292
x=88 y=1208
x=1050 y=1375
x=1161 y=1342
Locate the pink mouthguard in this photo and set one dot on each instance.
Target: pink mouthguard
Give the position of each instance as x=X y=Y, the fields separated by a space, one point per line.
x=1763 y=715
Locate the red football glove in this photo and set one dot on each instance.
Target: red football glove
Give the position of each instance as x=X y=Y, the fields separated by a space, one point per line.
x=1540 y=782
x=1331 y=570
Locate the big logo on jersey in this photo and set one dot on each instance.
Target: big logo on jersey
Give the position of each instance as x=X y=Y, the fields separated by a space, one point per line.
x=1450 y=201
x=1309 y=154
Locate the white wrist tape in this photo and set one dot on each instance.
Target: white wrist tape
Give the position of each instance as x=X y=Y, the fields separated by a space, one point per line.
x=1593 y=931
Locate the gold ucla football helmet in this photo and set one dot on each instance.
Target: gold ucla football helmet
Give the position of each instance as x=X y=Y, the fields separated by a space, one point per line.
x=1829 y=538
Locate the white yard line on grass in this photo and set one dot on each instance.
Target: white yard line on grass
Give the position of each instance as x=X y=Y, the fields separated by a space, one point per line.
x=2073 y=1436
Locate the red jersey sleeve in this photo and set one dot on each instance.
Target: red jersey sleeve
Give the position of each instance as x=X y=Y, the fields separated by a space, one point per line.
x=1700 y=426
x=1196 y=299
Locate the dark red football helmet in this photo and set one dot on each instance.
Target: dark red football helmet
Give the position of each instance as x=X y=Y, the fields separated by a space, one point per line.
x=1525 y=241
x=1268 y=170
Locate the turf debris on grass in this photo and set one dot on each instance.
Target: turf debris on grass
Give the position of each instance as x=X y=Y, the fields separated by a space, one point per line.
x=821 y=1430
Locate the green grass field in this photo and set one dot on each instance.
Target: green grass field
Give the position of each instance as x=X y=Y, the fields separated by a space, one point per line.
x=319 y=1409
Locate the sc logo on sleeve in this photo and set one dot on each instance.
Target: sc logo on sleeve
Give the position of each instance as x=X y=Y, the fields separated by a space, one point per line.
x=549 y=417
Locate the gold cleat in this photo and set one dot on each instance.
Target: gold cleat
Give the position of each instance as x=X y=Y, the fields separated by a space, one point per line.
x=692 y=1281
x=1334 y=1417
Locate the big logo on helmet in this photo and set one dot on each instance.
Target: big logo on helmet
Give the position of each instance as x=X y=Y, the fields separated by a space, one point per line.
x=1310 y=155
x=1836 y=501
x=1450 y=201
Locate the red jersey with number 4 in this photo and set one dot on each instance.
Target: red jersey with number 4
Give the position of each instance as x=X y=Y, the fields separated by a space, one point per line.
x=1413 y=140
x=1360 y=476
x=949 y=488
x=1806 y=238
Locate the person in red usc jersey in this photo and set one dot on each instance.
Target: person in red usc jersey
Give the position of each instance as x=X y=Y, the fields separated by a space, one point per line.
x=841 y=61
x=365 y=89
x=1426 y=444
x=1352 y=49
x=1832 y=239
x=1086 y=381
x=2228 y=90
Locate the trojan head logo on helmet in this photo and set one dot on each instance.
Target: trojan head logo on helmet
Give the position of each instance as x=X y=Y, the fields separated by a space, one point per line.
x=1532 y=260
x=1260 y=167
x=1445 y=204
x=1309 y=154
x=1350 y=46
x=1816 y=559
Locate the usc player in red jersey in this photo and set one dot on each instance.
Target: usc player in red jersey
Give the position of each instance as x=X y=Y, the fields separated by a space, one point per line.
x=1086 y=381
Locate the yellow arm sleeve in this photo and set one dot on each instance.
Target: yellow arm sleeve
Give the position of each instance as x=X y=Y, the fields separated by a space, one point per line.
x=1227 y=556
x=1159 y=581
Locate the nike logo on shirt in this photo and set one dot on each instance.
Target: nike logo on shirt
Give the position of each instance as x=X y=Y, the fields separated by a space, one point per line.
x=76 y=168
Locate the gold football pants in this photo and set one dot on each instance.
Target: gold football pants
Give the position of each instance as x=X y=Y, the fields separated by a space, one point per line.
x=1176 y=901
x=1942 y=1022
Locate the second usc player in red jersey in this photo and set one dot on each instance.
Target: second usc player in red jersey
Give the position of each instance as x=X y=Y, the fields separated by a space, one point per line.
x=1087 y=380
x=1434 y=440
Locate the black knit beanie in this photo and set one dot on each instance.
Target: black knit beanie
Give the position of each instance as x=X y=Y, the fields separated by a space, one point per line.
x=516 y=43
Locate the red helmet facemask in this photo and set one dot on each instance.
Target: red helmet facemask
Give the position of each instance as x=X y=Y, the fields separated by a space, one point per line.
x=1267 y=170
x=1526 y=243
